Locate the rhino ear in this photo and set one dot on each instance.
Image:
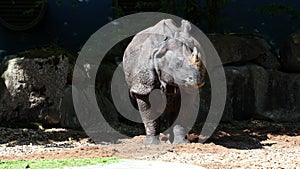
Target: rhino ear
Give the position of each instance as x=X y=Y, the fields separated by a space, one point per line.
x=185 y=50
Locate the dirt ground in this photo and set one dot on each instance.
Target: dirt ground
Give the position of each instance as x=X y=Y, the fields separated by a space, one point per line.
x=247 y=144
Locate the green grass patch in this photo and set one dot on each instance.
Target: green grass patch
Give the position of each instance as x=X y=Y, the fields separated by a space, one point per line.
x=49 y=164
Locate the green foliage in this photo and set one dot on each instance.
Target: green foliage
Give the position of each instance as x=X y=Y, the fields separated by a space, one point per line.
x=275 y=9
x=142 y=5
x=214 y=14
x=46 y=164
x=59 y=2
x=118 y=11
x=73 y=3
x=37 y=6
x=196 y=11
x=47 y=51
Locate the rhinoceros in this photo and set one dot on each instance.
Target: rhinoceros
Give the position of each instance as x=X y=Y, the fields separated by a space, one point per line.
x=163 y=57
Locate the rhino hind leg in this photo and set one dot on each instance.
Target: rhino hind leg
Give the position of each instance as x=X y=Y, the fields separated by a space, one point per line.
x=148 y=116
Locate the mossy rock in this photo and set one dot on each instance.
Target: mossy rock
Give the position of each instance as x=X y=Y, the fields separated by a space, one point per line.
x=104 y=76
x=49 y=51
x=46 y=51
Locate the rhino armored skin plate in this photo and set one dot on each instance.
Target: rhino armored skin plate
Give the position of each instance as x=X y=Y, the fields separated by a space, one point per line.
x=165 y=58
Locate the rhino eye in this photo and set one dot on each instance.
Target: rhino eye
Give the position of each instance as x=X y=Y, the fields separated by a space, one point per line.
x=178 y=65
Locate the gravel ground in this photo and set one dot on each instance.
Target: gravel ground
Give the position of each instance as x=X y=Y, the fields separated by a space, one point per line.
x=251 y=144
x=138 y=164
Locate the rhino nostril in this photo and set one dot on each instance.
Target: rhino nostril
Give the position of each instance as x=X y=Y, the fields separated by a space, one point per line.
x=190 y=78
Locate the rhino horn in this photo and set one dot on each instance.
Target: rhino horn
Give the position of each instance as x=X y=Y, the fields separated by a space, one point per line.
x=195 y=58
x=195 y=53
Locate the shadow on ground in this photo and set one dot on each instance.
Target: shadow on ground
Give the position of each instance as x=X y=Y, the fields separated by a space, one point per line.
x=242 y=135
x=25 y=136
x=250 y=134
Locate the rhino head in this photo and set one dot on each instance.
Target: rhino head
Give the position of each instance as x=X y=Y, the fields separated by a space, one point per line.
x=180 y=65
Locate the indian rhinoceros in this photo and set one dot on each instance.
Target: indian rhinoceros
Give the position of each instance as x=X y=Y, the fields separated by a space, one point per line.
x=163 y=57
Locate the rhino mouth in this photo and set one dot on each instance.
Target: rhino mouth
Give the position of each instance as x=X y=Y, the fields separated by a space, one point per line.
x=197 y=86
x=174 y=89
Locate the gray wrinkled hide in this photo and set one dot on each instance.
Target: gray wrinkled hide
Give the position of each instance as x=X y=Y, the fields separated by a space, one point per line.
x=152 y=57
x=33 y=89
x=161 y=56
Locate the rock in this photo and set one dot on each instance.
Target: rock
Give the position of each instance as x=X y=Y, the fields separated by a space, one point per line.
x=107 y=108
x=253 y=91
x=234 y=49
x=115 y=54
x=267 y=59
x=48 y=51
x=240 y=94
x=3 y=89
x=103 y=91
x=104 y=77
x=33 y=89
x=94 y=123
x=88 y=113
x=68 y=114
x=260 y=79
x=277 y=96
x=290 y=54
x=2 y=55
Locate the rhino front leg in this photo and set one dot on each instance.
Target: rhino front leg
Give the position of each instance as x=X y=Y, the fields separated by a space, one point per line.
x=186 y=116
x=179 y=135
x=149 y=119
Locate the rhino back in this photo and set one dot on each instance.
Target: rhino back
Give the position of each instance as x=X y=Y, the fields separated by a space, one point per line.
x=138 y=63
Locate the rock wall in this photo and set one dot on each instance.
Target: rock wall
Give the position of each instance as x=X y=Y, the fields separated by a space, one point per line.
x=36 y=86
x=257 y=86
x=290 y=53
x=31 y=89
x=39 y=89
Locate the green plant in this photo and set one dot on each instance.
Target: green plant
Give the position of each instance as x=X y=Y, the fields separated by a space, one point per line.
x=47 y=164
x=214 y=13
x=196 y=11
x=37 y=6
x=73 y=3
x=275 y=9
x=279 y=9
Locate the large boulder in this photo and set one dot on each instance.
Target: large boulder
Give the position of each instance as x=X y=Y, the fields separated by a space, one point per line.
x=33 y=88
x=240 y=49
x=69 y=117
x=68 y=114
x=240 y=94
x=276 y=96
x=86 y=114
x=253 y=91
x=290 y=54
x=103 y=91
x=2 y=55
